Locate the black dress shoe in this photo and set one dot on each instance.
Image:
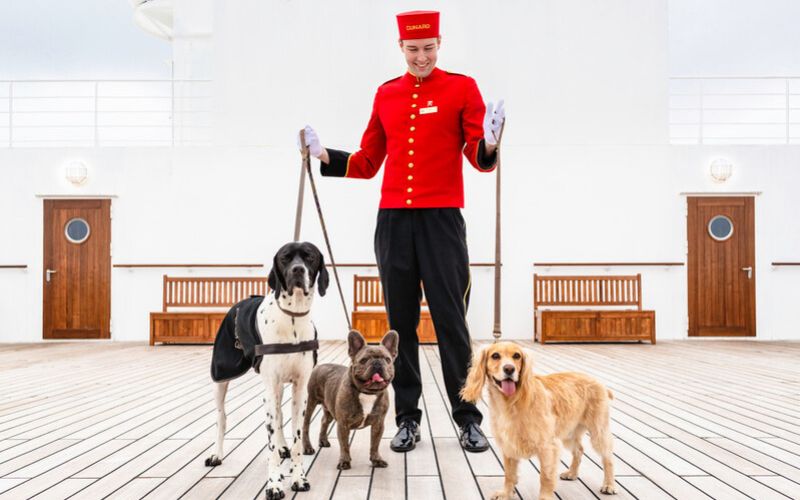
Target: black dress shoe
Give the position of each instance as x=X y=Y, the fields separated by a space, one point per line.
x=406 y=438
x=472 y=438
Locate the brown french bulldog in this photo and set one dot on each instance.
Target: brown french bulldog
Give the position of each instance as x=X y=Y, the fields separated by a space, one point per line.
x=354 y=396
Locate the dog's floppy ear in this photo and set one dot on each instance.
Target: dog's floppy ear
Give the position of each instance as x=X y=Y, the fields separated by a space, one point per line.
x=526 y=371
x=390 y=342
x=476 y=377
x=355 y=342
x=323 y=279
x=275 y=279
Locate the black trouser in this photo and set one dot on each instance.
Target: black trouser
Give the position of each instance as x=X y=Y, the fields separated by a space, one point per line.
x=427 y=244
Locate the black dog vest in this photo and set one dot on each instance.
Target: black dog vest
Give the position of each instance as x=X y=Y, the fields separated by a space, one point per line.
x=238 y=345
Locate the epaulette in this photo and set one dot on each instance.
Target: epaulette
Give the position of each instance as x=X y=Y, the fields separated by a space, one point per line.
x=390 y=81
x=456 y=74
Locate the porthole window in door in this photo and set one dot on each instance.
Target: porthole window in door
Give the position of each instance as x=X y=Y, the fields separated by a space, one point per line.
x=720 y=227
x=77 y=230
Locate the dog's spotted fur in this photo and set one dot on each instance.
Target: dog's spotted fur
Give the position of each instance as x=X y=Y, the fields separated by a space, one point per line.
x=296 y=268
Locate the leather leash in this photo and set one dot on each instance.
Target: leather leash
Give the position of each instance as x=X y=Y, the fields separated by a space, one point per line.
x=299 y=215
x=496 y=332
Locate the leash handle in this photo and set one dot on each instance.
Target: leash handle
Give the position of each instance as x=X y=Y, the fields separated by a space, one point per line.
x=298 y=216
x=307 y=167
x=496 y=331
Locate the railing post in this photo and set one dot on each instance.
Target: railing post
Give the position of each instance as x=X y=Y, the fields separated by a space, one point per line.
x=788 y=110
x=96 y=135
x=172 y=113
x=702 y=115
x=10 y=114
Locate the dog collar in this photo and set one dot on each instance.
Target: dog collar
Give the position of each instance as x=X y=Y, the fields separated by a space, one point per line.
x=290 y=313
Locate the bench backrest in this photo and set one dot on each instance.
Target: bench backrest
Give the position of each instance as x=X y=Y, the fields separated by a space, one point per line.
x=587 y=291
x=210 y=292
x=368 y=293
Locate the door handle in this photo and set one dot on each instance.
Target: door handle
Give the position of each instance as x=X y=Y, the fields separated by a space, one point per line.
x=749 y=271
x=50 y=272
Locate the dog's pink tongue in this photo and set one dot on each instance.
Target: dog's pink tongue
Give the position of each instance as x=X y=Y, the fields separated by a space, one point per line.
x=509 y=387
x=377 y=377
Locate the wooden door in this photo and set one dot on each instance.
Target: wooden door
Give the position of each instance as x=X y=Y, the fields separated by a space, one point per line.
x=721 y=266
x=77 y=269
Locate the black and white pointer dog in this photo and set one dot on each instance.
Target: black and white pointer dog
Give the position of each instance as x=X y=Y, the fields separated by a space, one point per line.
x=278 y=330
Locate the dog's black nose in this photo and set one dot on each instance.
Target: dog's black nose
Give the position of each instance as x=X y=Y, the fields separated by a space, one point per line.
x=509 y=369
x=298 y=270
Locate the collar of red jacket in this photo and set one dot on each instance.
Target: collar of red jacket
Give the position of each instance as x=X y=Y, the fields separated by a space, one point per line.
x=411 y=78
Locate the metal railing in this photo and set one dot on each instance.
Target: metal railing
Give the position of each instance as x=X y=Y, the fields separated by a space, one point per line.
x=746 y=110
x=102 y=113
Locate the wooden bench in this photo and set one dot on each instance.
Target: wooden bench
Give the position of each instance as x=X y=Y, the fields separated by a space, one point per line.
x=369 y=312
x=195 y=323
x=591 y=325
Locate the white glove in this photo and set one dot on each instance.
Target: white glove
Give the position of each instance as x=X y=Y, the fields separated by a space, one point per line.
x=493 y=121
x=312 y=141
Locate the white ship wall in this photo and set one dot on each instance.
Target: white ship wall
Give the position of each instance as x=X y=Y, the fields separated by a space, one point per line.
x=588 y=175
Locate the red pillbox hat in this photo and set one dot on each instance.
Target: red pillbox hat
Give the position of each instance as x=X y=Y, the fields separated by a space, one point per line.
x=418 y=24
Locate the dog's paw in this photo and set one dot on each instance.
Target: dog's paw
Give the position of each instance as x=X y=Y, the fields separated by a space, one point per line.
x=499 y=495
x=285 y=452
x=343 y=465
x=301 y=485
x=275 y=493
x=379 y=462
x=568 y=476
x=213 y=461
x=609 y=489
x=308 y=450
x=324 y=444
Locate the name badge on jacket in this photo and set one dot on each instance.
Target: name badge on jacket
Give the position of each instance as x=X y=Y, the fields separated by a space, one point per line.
x=428 y=110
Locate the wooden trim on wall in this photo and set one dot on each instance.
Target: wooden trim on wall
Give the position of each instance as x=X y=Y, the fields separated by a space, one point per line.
x=722 y=194
x=13 y=266
x=786 y=263
x=607 y=264
x=156 y=266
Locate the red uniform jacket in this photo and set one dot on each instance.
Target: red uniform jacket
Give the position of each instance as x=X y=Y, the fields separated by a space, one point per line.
x=423 y=126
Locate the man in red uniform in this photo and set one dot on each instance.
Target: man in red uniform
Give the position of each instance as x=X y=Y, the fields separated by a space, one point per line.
x=421 y=124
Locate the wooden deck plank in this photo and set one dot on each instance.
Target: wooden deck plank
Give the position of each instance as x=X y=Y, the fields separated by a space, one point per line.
x=790 y=470
x=720 y=418
x=727 y=475
x=44 y=475
x=721 y=490
x=352 y=488
x=424 y=488
x=781 y=484
x=113 y=480
x=389 y=483
x=138 y=487
x=208 y=488
x=64 y=489
x=7 y=483
x=642 y=488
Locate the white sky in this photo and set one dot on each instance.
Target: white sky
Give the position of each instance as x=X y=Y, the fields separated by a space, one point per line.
x=77 y=39
x=734 y=37
x=94 y=39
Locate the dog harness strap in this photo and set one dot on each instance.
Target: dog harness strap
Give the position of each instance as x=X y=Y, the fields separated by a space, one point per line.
x=238 y=343
x=266 y=349
x=315 y=350
x=293 y=314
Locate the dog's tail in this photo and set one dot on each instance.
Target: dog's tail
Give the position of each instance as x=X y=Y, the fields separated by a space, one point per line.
x=610 y=394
